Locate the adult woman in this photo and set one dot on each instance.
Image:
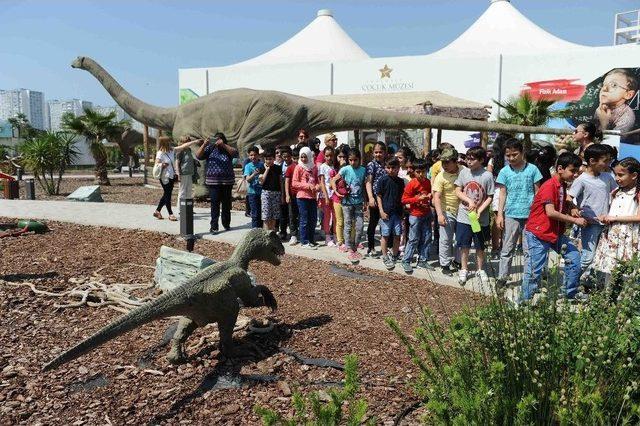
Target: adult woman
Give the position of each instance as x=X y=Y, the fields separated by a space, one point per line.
x=166 y=157
x=219 y=177
x=586 y=134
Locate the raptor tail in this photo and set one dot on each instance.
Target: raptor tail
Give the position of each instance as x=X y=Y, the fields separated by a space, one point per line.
x=165 y=305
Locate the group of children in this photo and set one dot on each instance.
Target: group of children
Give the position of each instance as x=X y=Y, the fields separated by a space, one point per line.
x=400 y=194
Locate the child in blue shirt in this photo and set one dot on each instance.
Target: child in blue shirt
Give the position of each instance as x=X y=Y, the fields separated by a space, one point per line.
x=254 y=190
x=520 y=181
x=353 y=202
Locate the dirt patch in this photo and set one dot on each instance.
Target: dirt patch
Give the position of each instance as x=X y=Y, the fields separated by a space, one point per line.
x=324 y=313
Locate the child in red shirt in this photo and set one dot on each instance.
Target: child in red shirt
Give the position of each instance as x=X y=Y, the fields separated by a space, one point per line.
x=544 y=230
x=417 y=194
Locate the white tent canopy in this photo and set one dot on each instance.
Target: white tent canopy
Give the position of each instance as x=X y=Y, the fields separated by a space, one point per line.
x=502 y=29
x=323 y=40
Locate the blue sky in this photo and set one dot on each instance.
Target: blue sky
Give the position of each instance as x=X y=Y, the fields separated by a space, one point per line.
x=143 y=43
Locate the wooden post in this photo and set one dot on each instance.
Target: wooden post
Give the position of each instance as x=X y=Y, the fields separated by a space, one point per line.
x=439 y=138
x=427 y=142
x=145 y=141
x=356 y=137
x=484 y=139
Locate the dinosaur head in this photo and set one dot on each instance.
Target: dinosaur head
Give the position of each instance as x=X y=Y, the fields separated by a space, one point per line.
x=78 y=62
x=260 y=244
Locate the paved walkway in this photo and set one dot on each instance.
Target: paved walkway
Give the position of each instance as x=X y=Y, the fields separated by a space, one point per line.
x=137 y=216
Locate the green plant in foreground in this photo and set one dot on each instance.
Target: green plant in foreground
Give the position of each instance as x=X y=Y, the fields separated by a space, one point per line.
x=310 y=410
x=48 y=155
x=548 y=363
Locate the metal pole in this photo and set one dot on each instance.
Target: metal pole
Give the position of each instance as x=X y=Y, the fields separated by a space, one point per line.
x=145 y=141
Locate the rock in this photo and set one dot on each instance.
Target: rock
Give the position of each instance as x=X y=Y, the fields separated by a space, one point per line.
x=230 y=409
x=87 y=193
x=284 y=388
x=406 y=309
x=83 y=370
x=174 y=267
x=324 y=396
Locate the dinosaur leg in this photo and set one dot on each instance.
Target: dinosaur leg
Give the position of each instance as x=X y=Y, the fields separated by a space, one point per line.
x=185 y=327
x=225 y=327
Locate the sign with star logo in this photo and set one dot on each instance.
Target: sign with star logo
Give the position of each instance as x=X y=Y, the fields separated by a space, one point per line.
x=385 y=72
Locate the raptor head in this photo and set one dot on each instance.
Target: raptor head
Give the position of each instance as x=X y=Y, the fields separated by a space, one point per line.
x=78 y=62
x=260 y=244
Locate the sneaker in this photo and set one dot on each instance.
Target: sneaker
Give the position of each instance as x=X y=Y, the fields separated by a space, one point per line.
x=388 y=262
x=374 y=254
x=330 y=243
x=456 y=265
x=343 y=248
x=580 y=297
x=213 y=231
x=313 y=244
x=424 y=265
x=462 y=277
x=227 y=228
x=406 y=266
x=308 y=246
x=354 y=257
x=293 y=241
x=396 y=258
x=484 y=278
x=446 y=270
x=360 y=246
x=495 y=255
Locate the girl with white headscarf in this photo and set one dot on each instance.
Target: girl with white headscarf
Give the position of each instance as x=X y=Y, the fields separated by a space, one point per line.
x=305 y=182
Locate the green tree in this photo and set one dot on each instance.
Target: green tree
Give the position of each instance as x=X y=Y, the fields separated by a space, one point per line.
x=21 y=123
x=95 y=127
x=523 y=110
x=48 y=155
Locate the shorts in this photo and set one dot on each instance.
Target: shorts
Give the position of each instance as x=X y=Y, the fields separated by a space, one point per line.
x=391 y=226
x=465 y=236
x=271 y=205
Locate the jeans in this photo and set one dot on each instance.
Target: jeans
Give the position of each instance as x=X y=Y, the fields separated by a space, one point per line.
x=167 y=189
x=255 y=204
x=512 y=230
x=353 y=219
x=535 y=258
x=294 y=216
x=284 y=219
x=589 y=235
x=220 y=194
x=308 y=218
x=447 y=251
x=374 y=218
x=419 y=238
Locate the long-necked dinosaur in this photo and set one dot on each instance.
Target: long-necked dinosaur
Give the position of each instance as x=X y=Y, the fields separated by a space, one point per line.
x=249 y=116
x=210 y=296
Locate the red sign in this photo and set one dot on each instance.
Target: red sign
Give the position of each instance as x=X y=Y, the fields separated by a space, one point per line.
x=554 y=90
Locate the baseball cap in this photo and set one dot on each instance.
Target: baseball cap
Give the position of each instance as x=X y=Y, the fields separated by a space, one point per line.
x=449 y=154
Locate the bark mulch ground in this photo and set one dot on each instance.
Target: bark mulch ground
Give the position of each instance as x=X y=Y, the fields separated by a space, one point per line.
x=326 y=311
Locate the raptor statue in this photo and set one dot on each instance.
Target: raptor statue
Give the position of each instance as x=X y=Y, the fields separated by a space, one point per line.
x=211 y=296
x=127 y=141
x=248 y=116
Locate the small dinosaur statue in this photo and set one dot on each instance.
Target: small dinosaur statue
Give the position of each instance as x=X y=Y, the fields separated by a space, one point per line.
x=210 y=296
x=247 y=116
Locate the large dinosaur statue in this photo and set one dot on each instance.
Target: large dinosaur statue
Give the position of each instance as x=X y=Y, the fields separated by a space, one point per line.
x=249 y=116
x=210 y=296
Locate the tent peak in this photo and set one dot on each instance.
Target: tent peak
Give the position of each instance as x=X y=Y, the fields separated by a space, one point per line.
x=325 y=12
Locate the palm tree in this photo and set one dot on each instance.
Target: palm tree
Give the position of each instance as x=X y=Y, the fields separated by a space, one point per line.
x=95 y=127
x=523 y=110
x=48 y=155
x=21 y=123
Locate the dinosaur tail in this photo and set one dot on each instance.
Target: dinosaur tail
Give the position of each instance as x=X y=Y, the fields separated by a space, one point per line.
x=160 y=118
x=331 y=116
x=166 y=305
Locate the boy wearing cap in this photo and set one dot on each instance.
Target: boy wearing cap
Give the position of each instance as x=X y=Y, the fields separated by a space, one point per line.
x=446 y=203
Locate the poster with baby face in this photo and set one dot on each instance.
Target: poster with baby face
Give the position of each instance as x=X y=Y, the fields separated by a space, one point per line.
x=611 y=100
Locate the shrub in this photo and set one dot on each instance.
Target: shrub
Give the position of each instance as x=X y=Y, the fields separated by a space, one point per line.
x=310 y=410
x=48 y=155
x=548 y=363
